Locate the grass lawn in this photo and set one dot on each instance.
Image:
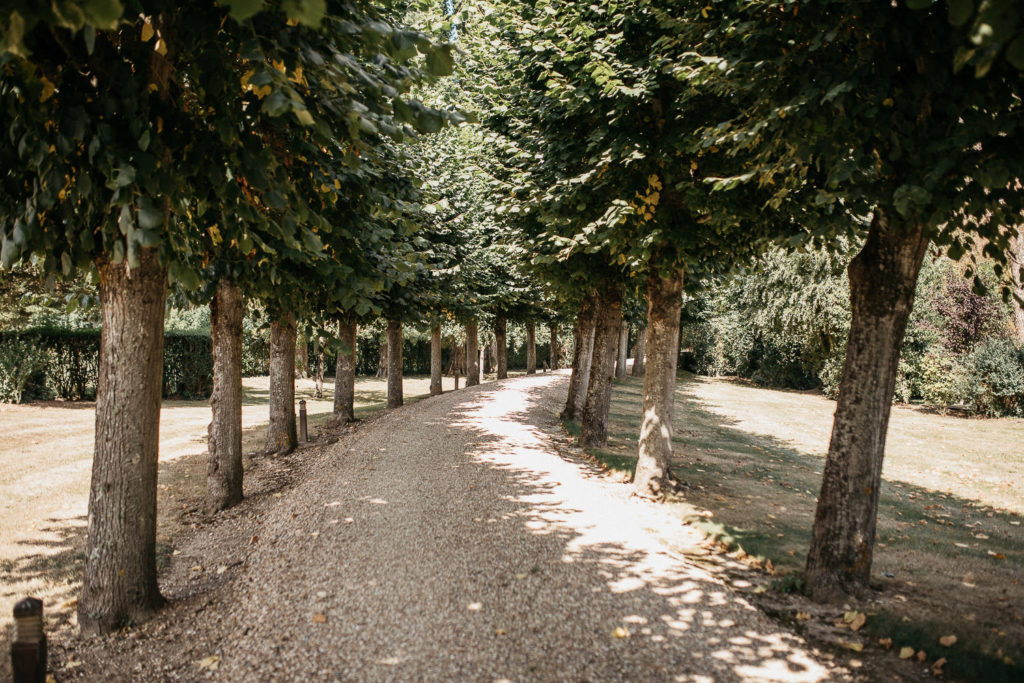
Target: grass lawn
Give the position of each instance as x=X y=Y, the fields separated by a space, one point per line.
x=45 y=467
x=950 y=554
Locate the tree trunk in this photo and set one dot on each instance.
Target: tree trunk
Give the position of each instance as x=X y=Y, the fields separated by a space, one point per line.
x=281 y=434
x=556 y=347
x=501 y=346
x=472 y=354
x=640 y=351
x=594 y=422
x=621 y=351
x=457 y=352
x=224 y=465
x=1015 y=261
x=119 y=582
x=435 y=361
x=654 y=453
x=302 y=355
x=394 y=364
x=345 y=372
x=883 y=277
x=582 y=354
x=382 y=360
x=319 y=376
x=531 y=348
x=488 y=357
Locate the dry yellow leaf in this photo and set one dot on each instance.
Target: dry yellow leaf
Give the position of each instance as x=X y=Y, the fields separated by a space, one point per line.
x=802 y=616
x=906 y=652
x=858 y=621
x=620 y=632
x=147 y=31
x=210 y=663
x=319 y=618
x=885 y=642
x=500 y=631
x=849 y=645
x=937 y=666
x=160 y=47
x=921 y=655
x=947 y=641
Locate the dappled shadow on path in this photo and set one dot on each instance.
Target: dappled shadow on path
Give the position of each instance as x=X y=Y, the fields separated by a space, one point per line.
x=600 y=596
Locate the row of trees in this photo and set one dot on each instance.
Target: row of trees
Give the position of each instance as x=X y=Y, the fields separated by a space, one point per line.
x=663 y=142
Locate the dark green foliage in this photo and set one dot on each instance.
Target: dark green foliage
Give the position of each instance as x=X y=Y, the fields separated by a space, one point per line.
x=49 y=363
x=995 y=378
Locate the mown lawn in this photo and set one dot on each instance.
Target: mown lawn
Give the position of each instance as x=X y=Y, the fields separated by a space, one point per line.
x=950 y=554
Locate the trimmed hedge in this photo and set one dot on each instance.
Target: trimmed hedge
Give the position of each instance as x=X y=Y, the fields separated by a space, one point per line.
x=47 y=363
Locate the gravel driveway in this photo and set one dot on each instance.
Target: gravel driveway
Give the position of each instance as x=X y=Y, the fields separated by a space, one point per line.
x=456 y=539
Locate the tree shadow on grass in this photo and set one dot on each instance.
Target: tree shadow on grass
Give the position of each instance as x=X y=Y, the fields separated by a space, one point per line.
x=758 y=493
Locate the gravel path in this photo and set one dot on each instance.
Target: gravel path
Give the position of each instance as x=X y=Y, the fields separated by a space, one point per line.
x=454 y=539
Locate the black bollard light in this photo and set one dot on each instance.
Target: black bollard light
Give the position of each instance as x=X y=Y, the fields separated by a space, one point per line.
x=28 y=649
x=303 y=438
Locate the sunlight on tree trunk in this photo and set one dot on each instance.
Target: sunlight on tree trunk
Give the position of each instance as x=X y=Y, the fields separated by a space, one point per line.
x=582 y=354
x=594 y=423
x=119 y=581
x=435 y=361
x=639 y=352
x=345 y=371
x=883 y=277
x=654 y=452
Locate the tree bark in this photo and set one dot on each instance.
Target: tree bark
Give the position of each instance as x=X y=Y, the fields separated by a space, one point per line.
x=318 y=345
x=345 y=372
x=531 y=348
x=472 y=354
x=556 y=347
x=883 y=277
x=640 y=351
x=119 y=581
x=382 y=359
x=488 y=358
x=594 y=422
x=622 y=351
x=302 y=355
x=224 y=465
x=281 y=433
x=654 y=453
x=501 y=346
x=1015 y=262
x=582 y=354
x=435 y=361
x=394 y=364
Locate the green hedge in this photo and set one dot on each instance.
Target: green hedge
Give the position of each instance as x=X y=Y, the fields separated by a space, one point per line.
x=49 y=363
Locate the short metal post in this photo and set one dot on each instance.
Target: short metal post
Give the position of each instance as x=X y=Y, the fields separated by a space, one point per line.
x=303 y=437
x=28 y=649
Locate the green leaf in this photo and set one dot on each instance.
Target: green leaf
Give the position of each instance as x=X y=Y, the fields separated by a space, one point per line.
x=150 y=217
x=1015 y=52
x=147 y=238
x=308 y=12
x=240 y=10
x=960 y=11
x=103 y=14
x=440 y=62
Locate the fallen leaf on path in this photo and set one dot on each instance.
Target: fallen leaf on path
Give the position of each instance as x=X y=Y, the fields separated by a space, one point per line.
x=211 y=663
x=906 y=652
x=802 y=616
x=500 y=631
x=849 y=645
x=197 y=568
x=620 y=632
x=921 y=655
x=937 y=666
x=333 y=504
x=885 y=642
x=319 y=618
x=998 y=556
x=221 y=569
x=858 y=621
x=947 y=641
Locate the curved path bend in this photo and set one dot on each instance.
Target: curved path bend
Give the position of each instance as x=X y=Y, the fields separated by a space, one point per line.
x=450 y=541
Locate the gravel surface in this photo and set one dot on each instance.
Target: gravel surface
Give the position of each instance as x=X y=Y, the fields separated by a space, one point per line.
x=459 y=538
